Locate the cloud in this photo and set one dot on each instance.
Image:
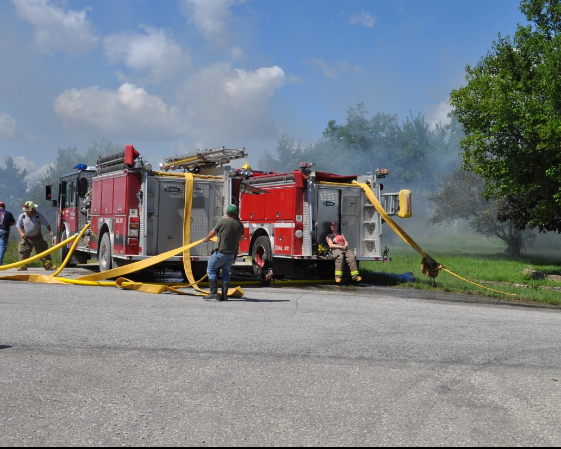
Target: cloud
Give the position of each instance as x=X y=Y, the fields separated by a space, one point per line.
x=332 y=70
x=153 y=53
x=10 y=130
x=438 y=114
x=211 y=17
x=227 y=103
x=219 y=104
x=364 y=19
x=129 y=112
x=56 y=29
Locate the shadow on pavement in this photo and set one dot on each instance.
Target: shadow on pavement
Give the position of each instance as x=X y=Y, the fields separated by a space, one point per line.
x=4 y=347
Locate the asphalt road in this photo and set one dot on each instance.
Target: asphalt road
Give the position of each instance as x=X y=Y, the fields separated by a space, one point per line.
x=371 y=366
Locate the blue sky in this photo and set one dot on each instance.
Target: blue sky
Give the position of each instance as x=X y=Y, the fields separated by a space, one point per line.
x=171 y=76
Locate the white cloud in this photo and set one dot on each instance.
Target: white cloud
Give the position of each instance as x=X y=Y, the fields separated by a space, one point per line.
x=10 y=130
x=57 y=29
x=435 y=114
x=211 y=17
x=129 y=112
x=332 y=70
x=226 y=104
x=364 y=19
x=153 y=53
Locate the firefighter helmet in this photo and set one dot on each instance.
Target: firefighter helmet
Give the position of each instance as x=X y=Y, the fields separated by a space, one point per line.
x=246 y=167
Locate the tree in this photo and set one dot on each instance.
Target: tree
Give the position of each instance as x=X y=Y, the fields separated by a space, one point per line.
x=288 y=157
x=410 y=150
x=510 y=110
x=12 y=184
x=461 y=196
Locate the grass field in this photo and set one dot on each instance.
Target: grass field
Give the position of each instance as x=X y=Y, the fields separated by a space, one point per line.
x=478 y=259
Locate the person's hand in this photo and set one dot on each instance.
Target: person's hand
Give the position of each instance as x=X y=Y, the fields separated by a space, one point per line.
x=51 y=233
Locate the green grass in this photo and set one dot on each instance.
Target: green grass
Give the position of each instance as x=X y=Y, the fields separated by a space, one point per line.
x=478 y=260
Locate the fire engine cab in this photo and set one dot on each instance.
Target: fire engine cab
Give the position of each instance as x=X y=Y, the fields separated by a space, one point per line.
x=286 y=228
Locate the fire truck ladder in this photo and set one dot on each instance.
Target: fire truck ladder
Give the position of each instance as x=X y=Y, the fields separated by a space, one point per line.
x=201 y=159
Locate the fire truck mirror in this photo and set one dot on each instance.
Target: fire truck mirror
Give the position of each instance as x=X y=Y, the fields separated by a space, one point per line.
x=82 y=187
x=48 y=192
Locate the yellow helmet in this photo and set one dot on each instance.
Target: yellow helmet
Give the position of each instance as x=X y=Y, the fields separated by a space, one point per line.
x=246 y=167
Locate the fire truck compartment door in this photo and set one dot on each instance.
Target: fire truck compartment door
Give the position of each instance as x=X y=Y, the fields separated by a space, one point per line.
x=351 y=221
x=206 y=210
x=328 y=208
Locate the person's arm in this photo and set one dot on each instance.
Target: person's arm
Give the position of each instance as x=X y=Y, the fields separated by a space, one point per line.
x=45 y=223
x=345 y=247
x=20 y=228
x=334 y=246
x=210 y=235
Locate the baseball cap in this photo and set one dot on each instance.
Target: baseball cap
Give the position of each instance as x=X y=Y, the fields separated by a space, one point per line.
x=29 y=206
x=231 y=209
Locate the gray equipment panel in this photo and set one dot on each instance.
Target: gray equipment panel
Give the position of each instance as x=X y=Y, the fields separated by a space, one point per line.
x=165 y=213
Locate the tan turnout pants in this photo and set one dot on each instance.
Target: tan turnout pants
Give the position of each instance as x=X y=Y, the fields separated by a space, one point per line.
x=340 y=257
x=25 y=247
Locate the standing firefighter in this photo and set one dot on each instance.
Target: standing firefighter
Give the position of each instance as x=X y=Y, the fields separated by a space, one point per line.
x=340 y=249
x=230 y=232
x=29 y=227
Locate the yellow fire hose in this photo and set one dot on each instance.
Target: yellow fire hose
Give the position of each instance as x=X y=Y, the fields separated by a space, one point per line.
x=429 y=266
x=121 y=282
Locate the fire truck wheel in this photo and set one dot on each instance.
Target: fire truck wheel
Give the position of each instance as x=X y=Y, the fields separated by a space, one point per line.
x=105 y=262
x=64 y=253
x=262 y=255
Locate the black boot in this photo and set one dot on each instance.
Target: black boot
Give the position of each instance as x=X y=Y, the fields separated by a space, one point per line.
x=213 y=284
x=225 y=287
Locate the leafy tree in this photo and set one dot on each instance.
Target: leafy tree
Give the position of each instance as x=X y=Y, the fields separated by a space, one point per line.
x=411 y=150
x=510 y=110
x=288 y=155
x=461 y=196
x=12 y=185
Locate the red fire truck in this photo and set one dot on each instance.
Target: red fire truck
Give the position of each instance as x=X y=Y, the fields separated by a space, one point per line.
x=286 y=228
x=136 y=212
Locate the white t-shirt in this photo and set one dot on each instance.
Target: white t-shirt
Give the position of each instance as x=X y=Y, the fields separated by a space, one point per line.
x=32 y=225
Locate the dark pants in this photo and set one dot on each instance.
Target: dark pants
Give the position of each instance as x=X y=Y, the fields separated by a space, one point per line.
x=340 y=257
x=36 y=243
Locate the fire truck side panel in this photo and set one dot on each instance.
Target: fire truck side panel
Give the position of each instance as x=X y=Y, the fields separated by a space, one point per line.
x=284 y=239
x=107 y=189
x=165 y=212
x=279 y=203
x=351 y=218
x=252 y=208
x=326 y=209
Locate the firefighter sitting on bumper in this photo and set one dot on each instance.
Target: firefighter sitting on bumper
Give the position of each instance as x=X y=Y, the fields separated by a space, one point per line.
x=230 y=233
x=340 y=249
x=29 y=227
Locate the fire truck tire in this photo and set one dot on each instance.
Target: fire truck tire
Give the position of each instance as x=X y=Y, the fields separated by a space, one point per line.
x=64 y=253
x=105 y=252
x=262 y=255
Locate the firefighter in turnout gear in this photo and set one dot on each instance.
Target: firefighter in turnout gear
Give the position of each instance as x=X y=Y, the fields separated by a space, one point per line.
x=29 y=227
x=340 y=249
